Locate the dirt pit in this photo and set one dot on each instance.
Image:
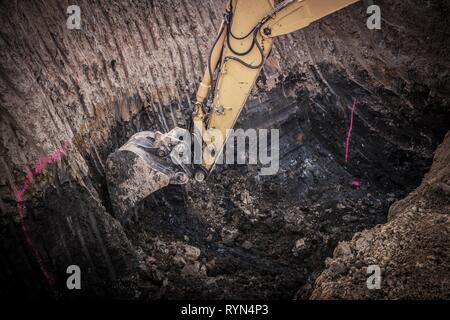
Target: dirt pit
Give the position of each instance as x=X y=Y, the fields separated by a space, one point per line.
x=236 y=235
x=240 y=235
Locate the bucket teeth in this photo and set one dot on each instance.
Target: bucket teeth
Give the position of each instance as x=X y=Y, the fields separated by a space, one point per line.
x=140 y=167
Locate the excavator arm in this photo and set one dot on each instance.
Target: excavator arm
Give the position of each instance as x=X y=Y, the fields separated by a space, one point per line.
x=151 y=160
x=243 y=43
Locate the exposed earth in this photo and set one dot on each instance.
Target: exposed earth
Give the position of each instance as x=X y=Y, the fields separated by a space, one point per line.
x=308 y=232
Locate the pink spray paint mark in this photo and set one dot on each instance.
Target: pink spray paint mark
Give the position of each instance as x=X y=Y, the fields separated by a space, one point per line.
x=349 y=131
x=356 y=183
x=347 y=142
x=23 y=188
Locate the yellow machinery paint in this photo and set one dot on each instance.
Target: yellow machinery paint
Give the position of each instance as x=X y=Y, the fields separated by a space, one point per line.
x=243 y=43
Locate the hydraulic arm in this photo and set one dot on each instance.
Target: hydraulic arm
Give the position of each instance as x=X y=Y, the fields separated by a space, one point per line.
x=243 y=43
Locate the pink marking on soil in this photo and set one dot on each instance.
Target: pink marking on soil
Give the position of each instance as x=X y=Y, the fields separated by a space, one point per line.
x=356 y=183
x=23 y=188
x=349 y=131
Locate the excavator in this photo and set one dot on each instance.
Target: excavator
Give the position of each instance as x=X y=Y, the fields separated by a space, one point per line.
x=150 y=160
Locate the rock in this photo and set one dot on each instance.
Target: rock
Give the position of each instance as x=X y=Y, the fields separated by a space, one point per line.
x=349 y=218
x=247 y=245
x=328 y=262
x=157 y=275
x=246 y=198
x=211 y=264
x=151 y=260
x=229 y=235
x=363 y=242
x=343 y=249
x=300 y=244
x=190 y=269
x=191 y=253
x=179 y=261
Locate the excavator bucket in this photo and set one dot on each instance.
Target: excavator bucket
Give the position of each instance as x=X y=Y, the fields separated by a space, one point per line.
x=148 y=162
